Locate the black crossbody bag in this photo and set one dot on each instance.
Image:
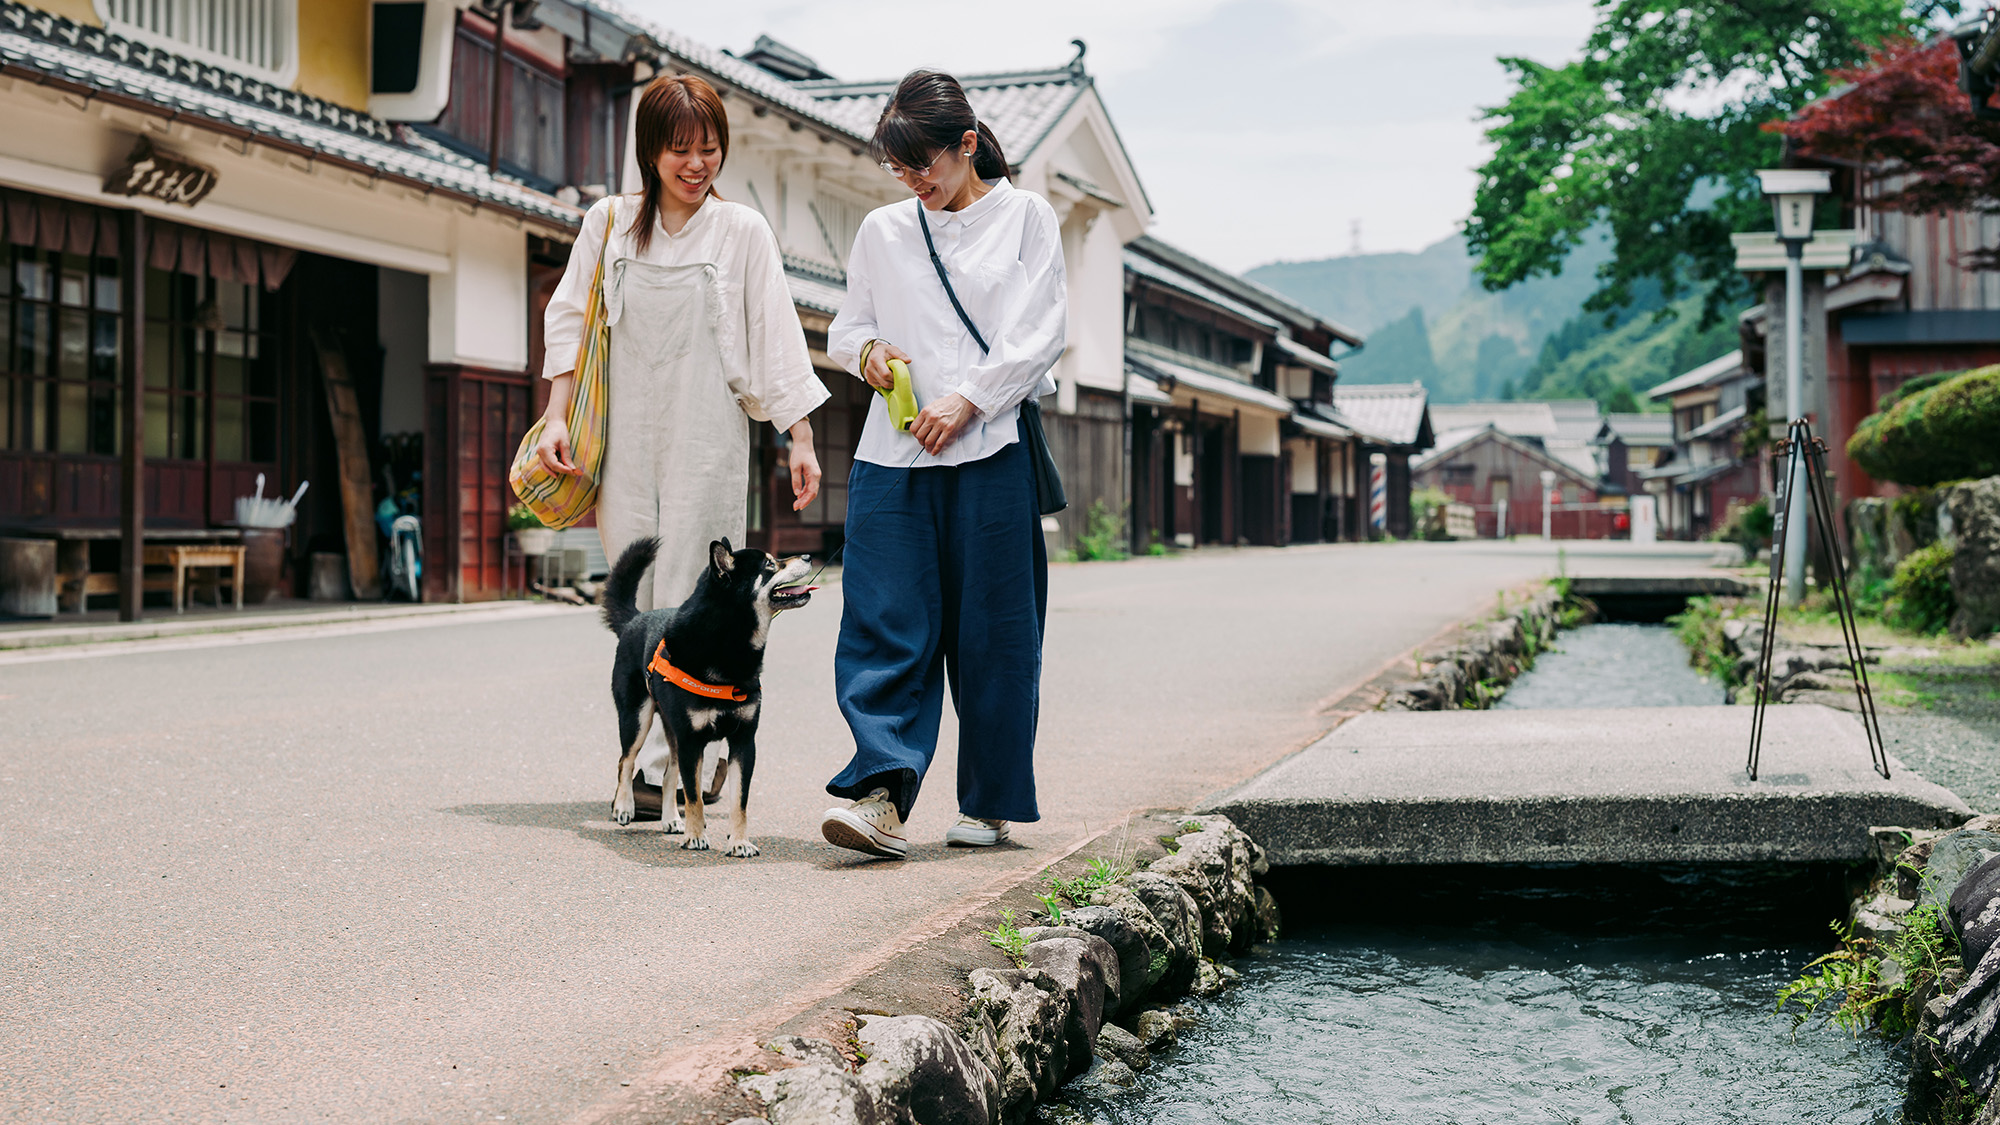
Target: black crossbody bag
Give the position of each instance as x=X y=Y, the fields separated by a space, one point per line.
x=1049 y=495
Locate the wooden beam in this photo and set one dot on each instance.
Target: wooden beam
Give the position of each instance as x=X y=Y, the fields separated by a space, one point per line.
x=132 y=372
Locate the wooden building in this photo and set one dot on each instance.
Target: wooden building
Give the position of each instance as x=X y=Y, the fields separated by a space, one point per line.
x=1500 y=476
x=1234 y=435
x=1393 y=420
x=1706 y=473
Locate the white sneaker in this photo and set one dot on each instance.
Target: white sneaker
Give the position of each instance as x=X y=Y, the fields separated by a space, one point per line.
x=869 y=825
x=972 y=832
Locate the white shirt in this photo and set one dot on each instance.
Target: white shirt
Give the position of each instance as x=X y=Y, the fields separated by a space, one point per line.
x=763 y=346
x=1004 y=255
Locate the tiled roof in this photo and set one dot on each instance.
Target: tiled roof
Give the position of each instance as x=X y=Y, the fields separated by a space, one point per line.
x=49 y=48
x=1714 y=371
x=1642 y=429
x=1397 y=413
x=1019 y=106
x=1522 y=419
x=815 y=286
x=746 y=76
x=1174 y=279
x=1243 y=289
x=1584 y=471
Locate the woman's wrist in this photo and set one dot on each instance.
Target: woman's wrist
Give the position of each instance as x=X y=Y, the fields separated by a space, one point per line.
x=866 y=349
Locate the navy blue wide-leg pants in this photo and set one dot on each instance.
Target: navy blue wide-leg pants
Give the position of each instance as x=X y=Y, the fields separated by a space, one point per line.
x=945 y=581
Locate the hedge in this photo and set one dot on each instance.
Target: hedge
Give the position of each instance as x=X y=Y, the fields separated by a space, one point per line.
x=1948 y=431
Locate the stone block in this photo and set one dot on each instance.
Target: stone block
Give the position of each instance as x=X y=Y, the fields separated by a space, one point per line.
x=1969 y=519
x=920 y=1065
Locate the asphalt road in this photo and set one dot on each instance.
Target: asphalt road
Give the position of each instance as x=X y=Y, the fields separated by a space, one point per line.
x=370 y=876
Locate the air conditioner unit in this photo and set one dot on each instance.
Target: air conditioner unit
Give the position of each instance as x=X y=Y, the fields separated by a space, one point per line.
x=409 y=73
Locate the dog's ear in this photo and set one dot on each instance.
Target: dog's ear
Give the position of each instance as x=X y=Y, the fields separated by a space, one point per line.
x=721 y=558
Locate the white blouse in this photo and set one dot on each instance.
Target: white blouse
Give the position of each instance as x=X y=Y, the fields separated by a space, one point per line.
x=1004 y=255
x=759 y=333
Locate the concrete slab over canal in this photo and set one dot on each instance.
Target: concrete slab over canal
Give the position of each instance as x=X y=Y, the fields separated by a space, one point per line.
x=1621 y=785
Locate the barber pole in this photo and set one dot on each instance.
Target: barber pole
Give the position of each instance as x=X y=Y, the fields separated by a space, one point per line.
x=1378 y=491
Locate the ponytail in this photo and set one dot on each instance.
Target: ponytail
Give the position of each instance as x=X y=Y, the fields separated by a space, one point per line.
x=988 y=162
x=929 y=114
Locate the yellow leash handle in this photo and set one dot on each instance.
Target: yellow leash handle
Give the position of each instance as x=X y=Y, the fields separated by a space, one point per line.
x=901 y=400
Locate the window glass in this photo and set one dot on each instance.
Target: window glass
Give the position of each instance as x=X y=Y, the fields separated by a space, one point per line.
x=159 y=294
x=158 y=418
x=32 y=334
x=104 y=432
x=108 y=293
x=263 y=369
x=41 y=406
x=32 y=278
x=75 y=344
x=159 y=356
x=104 y=365
x=187 y=443
x=75 y=416
x=228 y=363
x=75 y=286
x=228 y=429
x=230 y=303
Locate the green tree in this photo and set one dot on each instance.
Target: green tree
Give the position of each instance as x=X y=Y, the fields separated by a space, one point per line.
x=1655 y=131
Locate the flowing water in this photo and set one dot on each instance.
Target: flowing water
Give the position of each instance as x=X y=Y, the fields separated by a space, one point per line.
x=1530 y=994
x=1541 y=1001
x=1612 y=664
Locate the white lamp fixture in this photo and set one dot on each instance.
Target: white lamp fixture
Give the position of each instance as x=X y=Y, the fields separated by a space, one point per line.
x=1793 y=192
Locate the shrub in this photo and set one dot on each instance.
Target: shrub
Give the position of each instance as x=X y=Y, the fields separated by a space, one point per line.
x=1937 y=433
x=1749 y=526
x=1103 y=535
x=1920 y=597
x=520 y=517
x=1427 y=512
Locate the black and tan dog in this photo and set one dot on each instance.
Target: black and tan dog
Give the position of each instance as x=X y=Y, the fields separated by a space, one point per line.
x=697 y=667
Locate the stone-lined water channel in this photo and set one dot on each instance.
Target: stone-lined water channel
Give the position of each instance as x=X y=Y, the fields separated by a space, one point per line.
x=1531 y=994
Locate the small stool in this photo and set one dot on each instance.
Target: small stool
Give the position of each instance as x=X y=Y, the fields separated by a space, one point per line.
x=185 y=557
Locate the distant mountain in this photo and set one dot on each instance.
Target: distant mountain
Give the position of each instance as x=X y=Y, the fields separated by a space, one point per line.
x=1427 y=319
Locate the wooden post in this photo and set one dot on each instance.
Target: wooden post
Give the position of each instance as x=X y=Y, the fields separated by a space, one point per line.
x=499 y=87
x=132 y=371
x=1195 y=489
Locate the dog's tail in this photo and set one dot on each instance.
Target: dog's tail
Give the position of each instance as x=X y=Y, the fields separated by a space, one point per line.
x=621 y=590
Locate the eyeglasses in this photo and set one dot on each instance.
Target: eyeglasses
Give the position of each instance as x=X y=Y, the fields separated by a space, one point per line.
x=923 y=173
x=906 y=174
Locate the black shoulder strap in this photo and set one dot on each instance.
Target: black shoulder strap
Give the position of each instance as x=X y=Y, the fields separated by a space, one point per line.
x=925 y=223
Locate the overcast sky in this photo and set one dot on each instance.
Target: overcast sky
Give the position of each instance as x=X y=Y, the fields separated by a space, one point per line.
x=1262 y=129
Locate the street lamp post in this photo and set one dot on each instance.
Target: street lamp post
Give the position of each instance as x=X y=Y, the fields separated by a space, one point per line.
x=1793 y=192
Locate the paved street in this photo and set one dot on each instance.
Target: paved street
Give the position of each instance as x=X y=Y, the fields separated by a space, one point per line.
x=370 y=876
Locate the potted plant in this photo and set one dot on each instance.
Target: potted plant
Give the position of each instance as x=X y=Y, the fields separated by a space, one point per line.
x=530 y=535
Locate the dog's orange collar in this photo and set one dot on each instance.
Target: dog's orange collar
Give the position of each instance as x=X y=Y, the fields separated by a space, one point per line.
x=686 y=682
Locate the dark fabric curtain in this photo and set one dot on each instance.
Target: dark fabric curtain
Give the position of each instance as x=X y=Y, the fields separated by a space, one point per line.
x=71 y=227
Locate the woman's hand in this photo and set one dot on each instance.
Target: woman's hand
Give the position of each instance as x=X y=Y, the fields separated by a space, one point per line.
x=877 y=371
x=553 y=449
x=938 y=424
x=805 y=465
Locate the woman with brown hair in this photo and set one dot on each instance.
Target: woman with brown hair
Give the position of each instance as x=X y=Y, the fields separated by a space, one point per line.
x=703 y=333
x=945 y=579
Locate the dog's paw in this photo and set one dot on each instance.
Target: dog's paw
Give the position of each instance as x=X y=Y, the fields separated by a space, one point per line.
x=695 y=843
x=675 y=827
x=621 y=811
x=742 y=849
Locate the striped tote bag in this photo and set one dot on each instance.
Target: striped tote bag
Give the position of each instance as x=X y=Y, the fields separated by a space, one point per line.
x=558 y=499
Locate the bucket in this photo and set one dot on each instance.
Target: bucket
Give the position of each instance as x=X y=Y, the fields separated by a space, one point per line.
x=263 y=562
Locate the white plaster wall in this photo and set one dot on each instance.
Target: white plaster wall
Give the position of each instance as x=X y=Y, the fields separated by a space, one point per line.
x=402 y=320
x=1258 y=435
x=479 y=308
x=1096 y=269
x=1305 y=464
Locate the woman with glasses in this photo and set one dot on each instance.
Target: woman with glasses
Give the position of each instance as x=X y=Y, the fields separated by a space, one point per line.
x=703 y=333
x=945 y=579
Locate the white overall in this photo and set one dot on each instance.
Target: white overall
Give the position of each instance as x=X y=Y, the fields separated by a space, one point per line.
x=677 y=447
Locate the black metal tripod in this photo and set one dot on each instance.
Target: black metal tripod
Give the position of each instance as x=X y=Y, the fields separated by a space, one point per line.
x=1799 y=443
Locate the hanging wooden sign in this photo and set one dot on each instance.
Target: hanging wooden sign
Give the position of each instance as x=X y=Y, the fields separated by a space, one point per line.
x=156 y=175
